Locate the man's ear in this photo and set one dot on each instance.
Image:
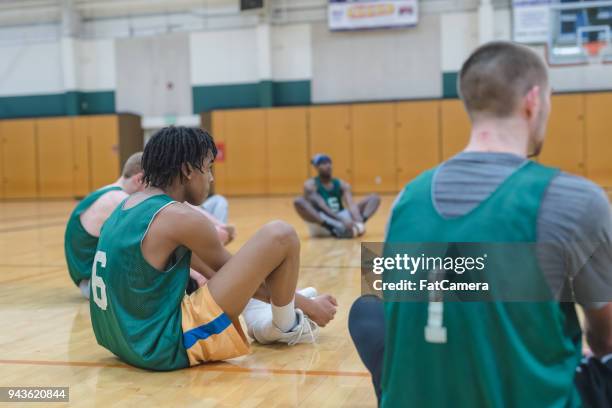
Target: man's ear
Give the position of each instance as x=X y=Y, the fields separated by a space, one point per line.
x=187 y=170
x=532 y=102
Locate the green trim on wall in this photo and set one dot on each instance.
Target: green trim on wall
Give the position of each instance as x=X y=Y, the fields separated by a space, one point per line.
x=449 y=85
x=251 y=95
x=71 y=101
x=210 y=97
x=64 y=104
x=266 y=94
x=96 y=102
x=32 y=105
x=292 y=93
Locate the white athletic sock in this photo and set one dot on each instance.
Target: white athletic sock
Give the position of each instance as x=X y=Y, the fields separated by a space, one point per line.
x=284 y=317
x=84 y=286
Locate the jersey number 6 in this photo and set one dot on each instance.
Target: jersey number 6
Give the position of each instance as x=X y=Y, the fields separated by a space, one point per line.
x=98 y=287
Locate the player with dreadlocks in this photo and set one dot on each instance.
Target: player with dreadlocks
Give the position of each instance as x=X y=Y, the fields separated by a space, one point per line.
x=139 y=309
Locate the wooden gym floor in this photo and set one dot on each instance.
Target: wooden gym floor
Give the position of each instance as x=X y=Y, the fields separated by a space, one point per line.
x=47 y=340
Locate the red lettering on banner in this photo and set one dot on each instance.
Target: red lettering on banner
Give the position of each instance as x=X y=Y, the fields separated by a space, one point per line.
x=220 y=152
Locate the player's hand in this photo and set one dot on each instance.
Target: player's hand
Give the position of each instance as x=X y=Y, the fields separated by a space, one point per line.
x=231 y=232
x=198 y=277
x=322 y=310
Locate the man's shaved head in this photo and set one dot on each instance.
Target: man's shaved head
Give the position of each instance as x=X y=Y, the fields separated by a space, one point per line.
x=496 y=77
x=132 y=165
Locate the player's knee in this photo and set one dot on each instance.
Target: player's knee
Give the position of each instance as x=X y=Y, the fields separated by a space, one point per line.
x=282 y=233
x=359 y=314
x=299 y=202
x=375 y=198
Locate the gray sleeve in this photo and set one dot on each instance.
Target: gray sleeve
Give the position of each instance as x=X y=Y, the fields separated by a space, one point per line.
x=576 y=226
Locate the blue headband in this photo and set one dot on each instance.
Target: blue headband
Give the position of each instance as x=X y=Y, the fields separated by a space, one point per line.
x=320 y=158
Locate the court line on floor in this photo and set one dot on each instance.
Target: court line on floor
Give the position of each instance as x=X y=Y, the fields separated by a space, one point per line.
x=207 y=367
x=34 y=216
x=31 y=266
x=25 y=277
x=31 y=227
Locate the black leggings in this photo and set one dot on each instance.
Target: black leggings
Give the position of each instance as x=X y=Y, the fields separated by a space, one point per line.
x=367 y=328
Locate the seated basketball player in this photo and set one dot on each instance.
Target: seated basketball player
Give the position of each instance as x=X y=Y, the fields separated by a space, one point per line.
x=139 y=310
x=85 y=222
x=498 y=354
x=216 y=205
x=328 y=207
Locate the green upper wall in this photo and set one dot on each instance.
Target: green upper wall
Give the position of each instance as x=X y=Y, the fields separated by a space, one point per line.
x=261 y=94
x=205 y=98
x=63 y=104
x=449 y=85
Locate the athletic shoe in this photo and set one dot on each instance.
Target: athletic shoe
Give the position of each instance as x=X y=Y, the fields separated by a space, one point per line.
x=336 y=228
x=337 y=231
x=305 y=331
x=308 y=292
x=343 y=233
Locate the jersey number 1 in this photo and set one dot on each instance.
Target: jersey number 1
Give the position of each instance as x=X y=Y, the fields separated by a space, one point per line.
x=435 y=332
x=98 y=287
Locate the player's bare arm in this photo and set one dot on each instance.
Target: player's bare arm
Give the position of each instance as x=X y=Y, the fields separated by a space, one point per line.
x=179 y=225
x=347 y=197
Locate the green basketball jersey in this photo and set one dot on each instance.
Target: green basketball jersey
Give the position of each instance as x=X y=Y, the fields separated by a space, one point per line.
x=333 y=197
x=135 y=308
x=494 y=354
x=80 y=245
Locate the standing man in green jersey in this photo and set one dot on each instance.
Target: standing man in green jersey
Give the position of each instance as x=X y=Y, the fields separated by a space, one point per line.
x=86 y=220
x=139 y=310
x=327 y=205
x=516 y=352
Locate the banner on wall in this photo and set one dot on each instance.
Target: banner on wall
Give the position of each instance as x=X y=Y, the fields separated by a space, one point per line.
x=363 y=14
x=531 y=21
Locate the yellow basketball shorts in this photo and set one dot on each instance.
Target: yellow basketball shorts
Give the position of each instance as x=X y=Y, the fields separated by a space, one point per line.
x=208 y=333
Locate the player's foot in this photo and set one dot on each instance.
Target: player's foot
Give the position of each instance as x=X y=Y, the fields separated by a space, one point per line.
x=342 y=233
x=305 y=331
x=337 y=231
x=258 y=313
x=335 y=227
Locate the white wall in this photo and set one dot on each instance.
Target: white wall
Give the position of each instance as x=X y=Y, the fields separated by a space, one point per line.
x=459 y=35
x=363 y=65
x=581 y=78
x=96 y=65
x=33 y=68
x=34 y=62
x=223 y=57
x=153 y=75
x=291 y=52
x=377 y=64
x=234 y=56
